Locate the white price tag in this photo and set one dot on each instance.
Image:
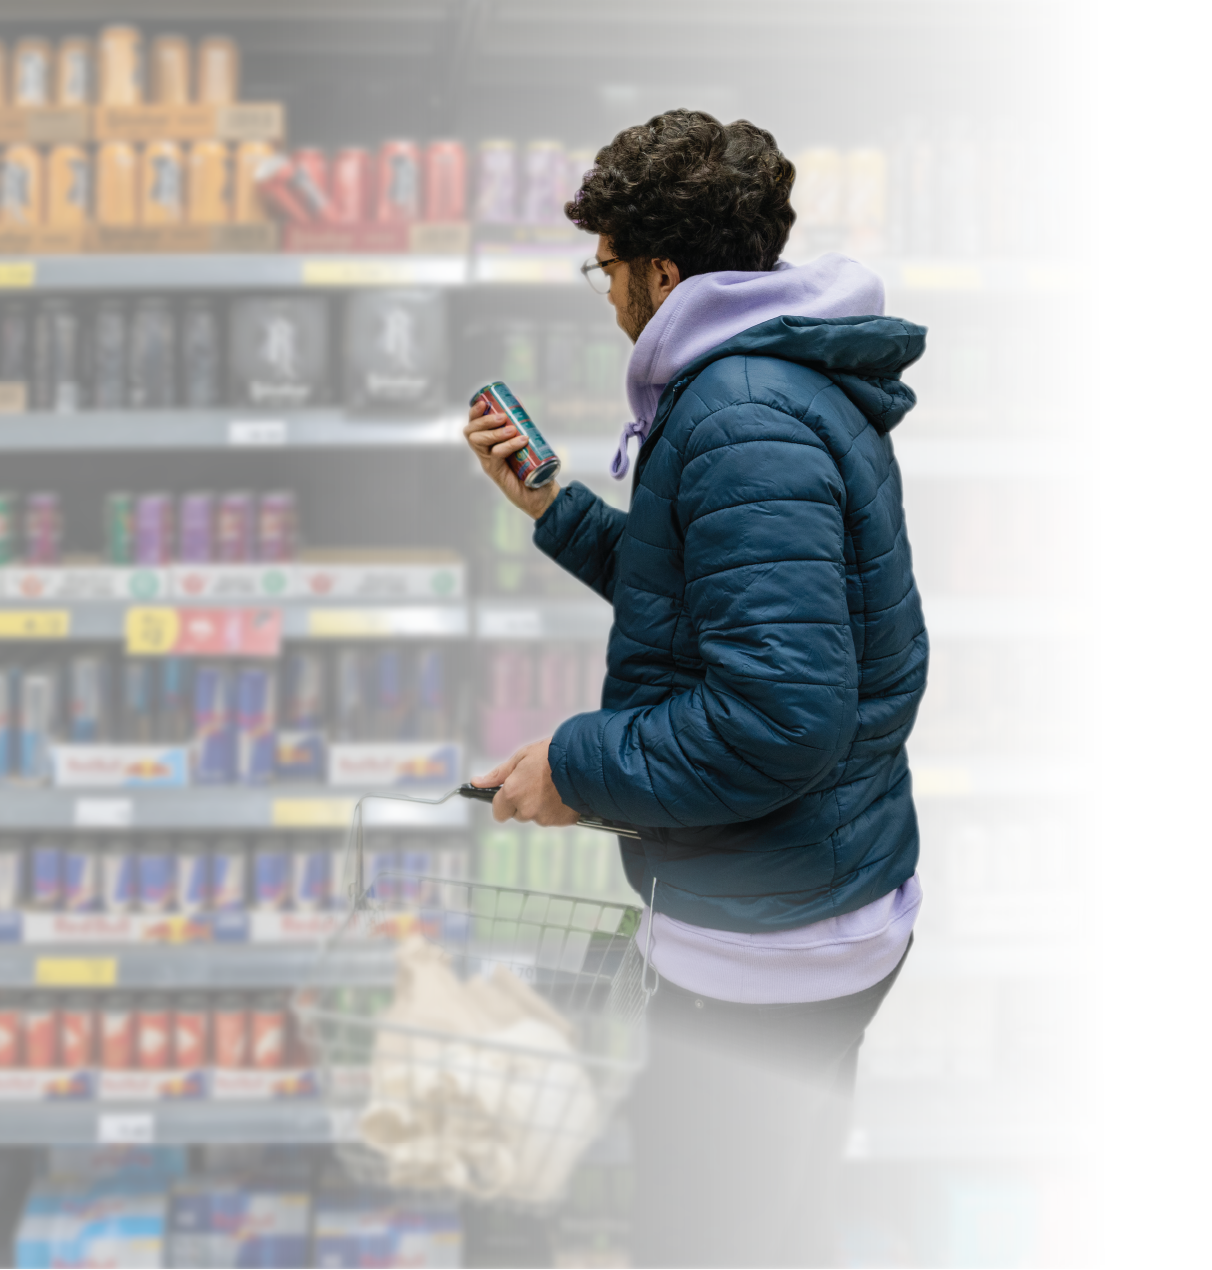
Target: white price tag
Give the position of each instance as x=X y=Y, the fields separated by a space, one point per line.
x=511 y=623
x=257 y=432
x=132 y=1127
x=103 y=813
x=1074 y=777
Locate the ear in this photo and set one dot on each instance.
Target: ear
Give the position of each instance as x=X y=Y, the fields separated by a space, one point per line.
x=662 y=279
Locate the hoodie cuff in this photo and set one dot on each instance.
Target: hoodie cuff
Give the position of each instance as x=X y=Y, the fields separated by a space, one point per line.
x=555 y=527
x=557 y=758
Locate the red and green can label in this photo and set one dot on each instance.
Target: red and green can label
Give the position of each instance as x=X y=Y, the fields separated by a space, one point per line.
x=535 y=463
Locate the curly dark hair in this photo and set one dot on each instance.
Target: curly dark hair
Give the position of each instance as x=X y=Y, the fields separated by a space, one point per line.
x=687 y=188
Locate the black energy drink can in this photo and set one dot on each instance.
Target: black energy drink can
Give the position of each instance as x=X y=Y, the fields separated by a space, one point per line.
x=535 y=463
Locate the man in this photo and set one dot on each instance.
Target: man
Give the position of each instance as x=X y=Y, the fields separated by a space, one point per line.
x=763 y=673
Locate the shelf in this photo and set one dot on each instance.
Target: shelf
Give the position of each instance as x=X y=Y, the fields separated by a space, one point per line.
x=1050 y=459
x=145 y=430
x=1044 y=1113
x=542 y=619
x=1103 y=616
x=215 y=807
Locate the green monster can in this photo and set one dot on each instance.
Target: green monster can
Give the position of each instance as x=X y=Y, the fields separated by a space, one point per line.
x=501 y=856
x=545 y=855
x=9 y=522
x=592 y=862
x=120 y=528
x=535 y=463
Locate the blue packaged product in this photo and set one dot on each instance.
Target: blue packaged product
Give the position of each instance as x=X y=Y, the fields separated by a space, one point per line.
x=975 y=1218
x=87 y=699
x=271 y=875
x=81 y=877
x=256 y=756
x=371 y=1228
x=37 y=696
x=46 y=875
x=193 y=876
x=310 y=881
x=214 y=733
x=157 y=877
x=228 y=875
x=119 y=881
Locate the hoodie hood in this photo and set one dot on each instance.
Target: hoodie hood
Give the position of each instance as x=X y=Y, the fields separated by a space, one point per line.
x=710 y=309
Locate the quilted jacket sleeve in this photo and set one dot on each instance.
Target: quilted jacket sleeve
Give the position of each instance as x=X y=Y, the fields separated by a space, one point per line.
x=581 y=534
x=761 y=503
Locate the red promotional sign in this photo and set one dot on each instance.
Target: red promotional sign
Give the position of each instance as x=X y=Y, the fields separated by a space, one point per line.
x=204 y=632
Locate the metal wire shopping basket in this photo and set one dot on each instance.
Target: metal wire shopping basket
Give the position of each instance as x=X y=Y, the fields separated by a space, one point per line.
x=512 y=1029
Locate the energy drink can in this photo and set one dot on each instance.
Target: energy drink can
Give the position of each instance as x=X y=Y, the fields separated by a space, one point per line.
x=8 y=719
x=81 y=878
x=431 y=694
x=109 y=355
x=445 y=181
x=228 y=875
x=11 y=859
x=14 y=349
x=38 y=712
x=68 y=187
x=21 y=187
x=229 y=1023
x=10 y=1031
x=382 y=869
x=9 y=522
x=31 y=72
x=350 y=690
x=161 y=184
x=117 y=1027
x=535 y=463
x=120 y=527
x=546 y=178
x=287 y=188
x=120 y=66
x=174 y=724
x=193 y=876
x=496 y=183
x=154 y=514
x=119 y=878
x=390 y=702
x=191 y=1032
x=309 y=868
x=151 y=371
x=170 y=70
x=197 y=527
x=41 y=1028
x=268 y=1028
x=349 y=186
x=157 y=877
x=43 y=527
x=74 y=71
x=200 y=354
x=501 y=855
x=46 y=875
x=398 y=183
x=87 y=713
x=277 y=526
x=77 y=1033
x=57 y=357
x=311 y=163
x=214 y=741
x=305 y=689
x=247 y=207
x=117 y=184
x=209 y=183
x=234 y=528
x=218 y=77
x=153 y=1033
x=271 y=875
x=256 y=718
x=138 y=701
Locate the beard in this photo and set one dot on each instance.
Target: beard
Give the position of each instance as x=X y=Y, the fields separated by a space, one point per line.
x=639 y=308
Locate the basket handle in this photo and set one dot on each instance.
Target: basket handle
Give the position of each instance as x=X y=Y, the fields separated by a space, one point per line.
x=648 y=992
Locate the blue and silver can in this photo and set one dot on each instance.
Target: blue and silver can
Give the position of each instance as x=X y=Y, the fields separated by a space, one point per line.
x=46 y=875
x=193 y=876
x=157 y=877
x=309 y=868
x=256 y=713
x=81 y=877
x=271 y=875
x=228 y=875
x=119 y=877
x=214 y=740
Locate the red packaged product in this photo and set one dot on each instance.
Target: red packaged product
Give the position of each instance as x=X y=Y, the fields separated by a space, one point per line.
x=268 y=1033
x=153 y=1034
x=972 y=514
x=349 y=186
x=117 y=1034
x=290 y=190
x=398 y=183
x=77 y=1033
x=445 y=181
x=313 y=163
x=191 y=1033
x=230 y=1026
x=41 y=1028
x=10 y=1034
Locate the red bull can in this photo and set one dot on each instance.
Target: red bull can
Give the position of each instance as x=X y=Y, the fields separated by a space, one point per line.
x=157 y=877
x=46 y=875
x=81 y=878
x=228 y=875
x=119 y=885
x=535 y=463
x=271 y=875
x=309 y=876
x=256 y=713
x=193 y=876
x=214 y=747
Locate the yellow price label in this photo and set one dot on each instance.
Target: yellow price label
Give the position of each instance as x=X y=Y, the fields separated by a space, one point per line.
x=311 y=813
x=349 y=623
x=943 y=277
x=1152 y=962
x=358 y=273
x=942 y=782
x=17 y=274
x=35 y=623
x=76 y=972
x=1158 y=622
x=152 y=631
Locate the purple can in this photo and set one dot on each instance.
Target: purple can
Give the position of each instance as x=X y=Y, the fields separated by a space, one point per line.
x=157 y=877
x=81 y=878
x=228 y=875
x=193 y=876
x=43 y=528
x=256 y=714
x=154 y=529
x=234 y=528
x=277 y=526
x=118 y=878
x=197 y=528
x=546 y=183
x=271 y=875
x=496 y=184
x=46 y=875
x=214 y=733
x=309 y=880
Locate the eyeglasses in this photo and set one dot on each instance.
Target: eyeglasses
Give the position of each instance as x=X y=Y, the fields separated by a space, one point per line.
x=594 y=272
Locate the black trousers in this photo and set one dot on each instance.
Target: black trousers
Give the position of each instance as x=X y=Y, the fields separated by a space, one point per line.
x=738 y=1124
